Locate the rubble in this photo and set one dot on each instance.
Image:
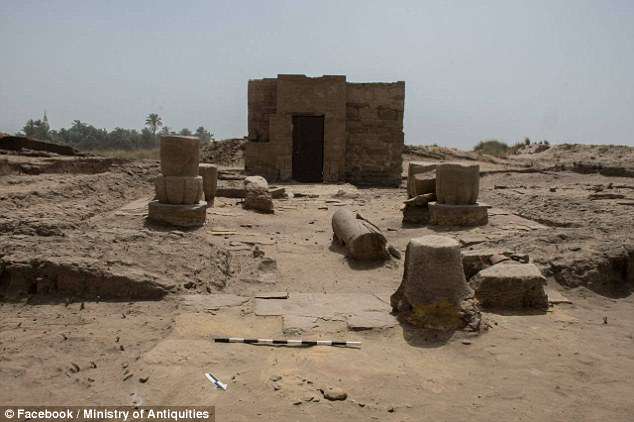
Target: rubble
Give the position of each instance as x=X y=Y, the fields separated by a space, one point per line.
x=257 y=196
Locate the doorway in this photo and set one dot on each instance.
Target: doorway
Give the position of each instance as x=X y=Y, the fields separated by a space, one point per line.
x=308 y=148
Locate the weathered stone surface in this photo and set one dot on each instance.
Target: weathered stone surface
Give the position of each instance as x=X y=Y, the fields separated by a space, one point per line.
x=180 y=156
x=369 y=320
x=362 y=239
x=434 y=285
x=474 y=261
x=209 y=173
x=178 y=190
x=510 y=286
x=424 y=183
x=334 y=393
x=421 y=200
x=458 y=215
x=257 y=195
x=414 y=214
x=418 y=167
x=79 y=277
x=200 y=302
x=231 y=189
x=178 y=215
x=277 y=192
x=457 y=183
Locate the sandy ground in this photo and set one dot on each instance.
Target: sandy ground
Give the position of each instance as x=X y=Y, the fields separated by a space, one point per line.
x=570 y=363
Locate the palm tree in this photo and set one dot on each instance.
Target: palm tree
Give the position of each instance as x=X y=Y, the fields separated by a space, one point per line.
x=153 y=121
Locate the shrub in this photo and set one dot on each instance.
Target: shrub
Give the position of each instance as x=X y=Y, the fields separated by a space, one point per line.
x=492 y=147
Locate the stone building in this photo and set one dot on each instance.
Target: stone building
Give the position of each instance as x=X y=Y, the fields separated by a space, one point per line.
x=325 y=129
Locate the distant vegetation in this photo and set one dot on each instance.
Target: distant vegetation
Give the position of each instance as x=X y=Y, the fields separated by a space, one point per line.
x=501 y=149
x=492 y=147
x=84 y=136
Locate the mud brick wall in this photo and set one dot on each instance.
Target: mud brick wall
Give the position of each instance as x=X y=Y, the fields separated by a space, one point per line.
x=326 y=95
x=374 y=124
x=363 y=127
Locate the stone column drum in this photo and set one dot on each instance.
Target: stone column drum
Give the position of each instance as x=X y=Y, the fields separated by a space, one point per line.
x=179 y=190
x=457 y=189
x=434 y=286
x=457 y=183
x=209 y=173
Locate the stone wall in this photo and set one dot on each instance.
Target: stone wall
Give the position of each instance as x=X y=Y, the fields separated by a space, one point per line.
x=374 y=124
x=363 y=127
x=325 y=96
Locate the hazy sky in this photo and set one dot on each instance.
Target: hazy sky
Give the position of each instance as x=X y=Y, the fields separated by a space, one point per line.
x=556 y=70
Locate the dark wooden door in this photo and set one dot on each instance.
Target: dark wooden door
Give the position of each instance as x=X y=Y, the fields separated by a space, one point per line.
x=308 y=148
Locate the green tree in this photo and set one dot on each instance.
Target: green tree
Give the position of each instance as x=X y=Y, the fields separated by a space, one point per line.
x=38 y=129
x=185 y=132
x=153 y=121
x=203 y=134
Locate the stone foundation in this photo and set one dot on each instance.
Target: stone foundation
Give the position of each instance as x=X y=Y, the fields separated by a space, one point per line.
x=178 y=215
x=458 y=215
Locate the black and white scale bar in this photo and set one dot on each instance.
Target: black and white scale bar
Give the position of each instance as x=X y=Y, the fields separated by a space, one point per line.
x=287 y=342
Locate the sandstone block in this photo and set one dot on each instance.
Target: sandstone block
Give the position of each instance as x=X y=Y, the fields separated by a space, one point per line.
x=457 y=183
x=414 y=168
x=434 y=285
x=416 y=214
x=510 y=286
x=178 y=215
x=209 y=173
x=458 y=215
x=178 y=190
x=424 y=183
x=180 y=156
x=257 y=195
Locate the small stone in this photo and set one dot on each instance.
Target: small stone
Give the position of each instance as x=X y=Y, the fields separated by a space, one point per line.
x=257 y=196
x=275 y=378
x=143 y=380
x=394 y=252
x=334 y=393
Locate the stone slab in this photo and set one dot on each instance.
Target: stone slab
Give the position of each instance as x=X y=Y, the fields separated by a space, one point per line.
x=555 y=297
x=368 y=320
x=457 y=215
x=213 y=301
x=272 y=295
x=178 y=215
x=302 y=311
